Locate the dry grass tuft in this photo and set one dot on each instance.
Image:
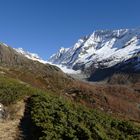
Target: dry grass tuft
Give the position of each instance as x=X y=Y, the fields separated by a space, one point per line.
x=9 y=128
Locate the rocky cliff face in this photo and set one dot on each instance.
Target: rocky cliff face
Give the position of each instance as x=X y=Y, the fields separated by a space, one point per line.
x=2 y=112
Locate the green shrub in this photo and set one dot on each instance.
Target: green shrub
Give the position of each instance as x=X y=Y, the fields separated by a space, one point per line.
x=59 y=119
x=12 y=90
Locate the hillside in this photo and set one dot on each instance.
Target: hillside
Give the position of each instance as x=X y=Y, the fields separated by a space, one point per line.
x=47 y=116
x=33 y=72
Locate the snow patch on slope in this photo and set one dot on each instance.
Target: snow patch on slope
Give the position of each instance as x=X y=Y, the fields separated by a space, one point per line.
x=65 y=69
x=4 y=44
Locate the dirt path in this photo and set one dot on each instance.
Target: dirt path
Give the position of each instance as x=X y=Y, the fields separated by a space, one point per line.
x=25 y=125
x=9 y=129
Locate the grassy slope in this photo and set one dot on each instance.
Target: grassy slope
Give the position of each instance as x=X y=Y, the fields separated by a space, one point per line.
x=54 y=117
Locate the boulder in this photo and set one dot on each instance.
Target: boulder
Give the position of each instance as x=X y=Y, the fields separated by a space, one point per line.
x=2 y=111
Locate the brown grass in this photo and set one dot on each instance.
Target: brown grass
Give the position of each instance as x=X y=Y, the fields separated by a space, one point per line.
x=9 y=128
x=120 y=100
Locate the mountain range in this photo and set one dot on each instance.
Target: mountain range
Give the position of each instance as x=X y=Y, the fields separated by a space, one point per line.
x=103 y=50
x=98 y=56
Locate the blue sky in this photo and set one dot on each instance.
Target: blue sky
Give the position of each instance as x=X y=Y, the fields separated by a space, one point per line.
x=43 y=26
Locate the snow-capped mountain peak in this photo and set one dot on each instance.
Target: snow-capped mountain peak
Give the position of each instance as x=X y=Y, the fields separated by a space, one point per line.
x=32 y=56
x=103 y=48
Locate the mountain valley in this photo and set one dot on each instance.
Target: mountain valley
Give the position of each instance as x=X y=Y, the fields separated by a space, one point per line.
x=104 y=105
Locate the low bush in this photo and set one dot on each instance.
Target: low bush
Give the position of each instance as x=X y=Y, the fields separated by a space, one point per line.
x=55 y=118
x=12 y=90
